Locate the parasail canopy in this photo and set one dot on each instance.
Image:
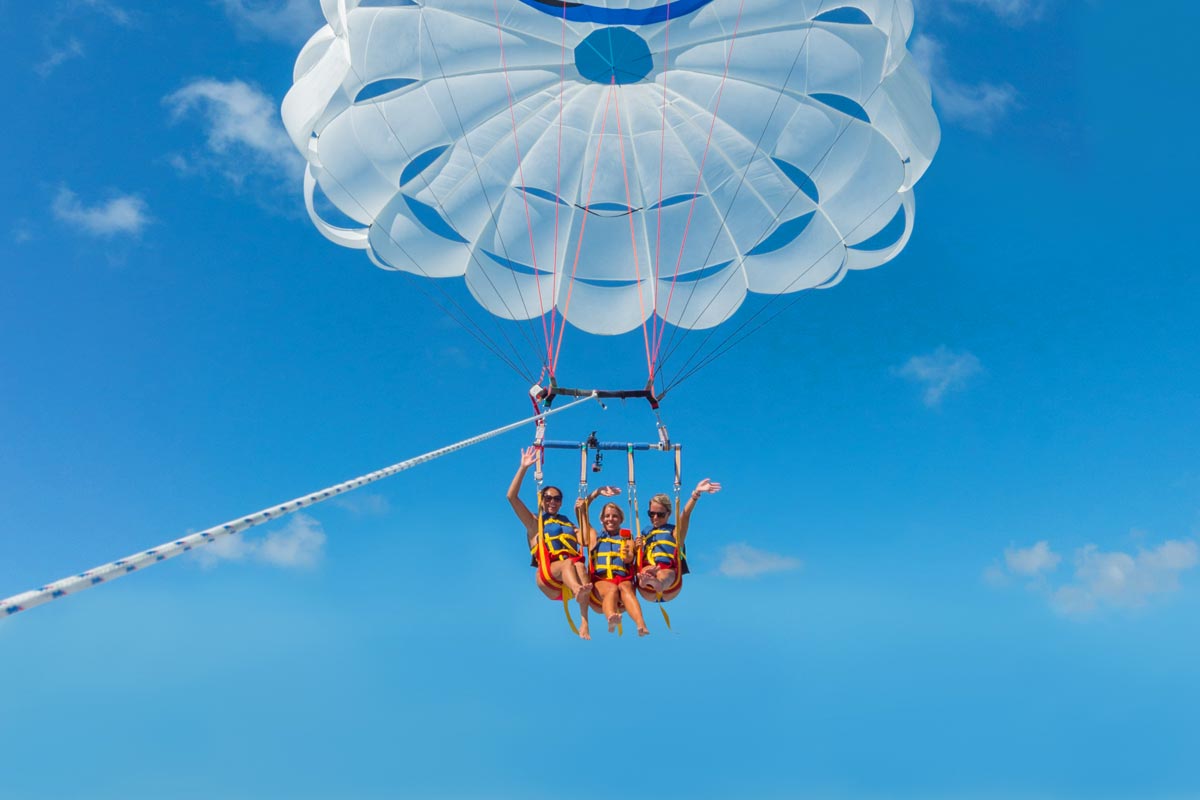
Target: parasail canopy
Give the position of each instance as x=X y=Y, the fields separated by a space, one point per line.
x=616 y=162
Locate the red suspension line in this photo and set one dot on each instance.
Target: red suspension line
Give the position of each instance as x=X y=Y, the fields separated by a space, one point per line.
x=562 y=81
x=582 y=227
x=699 y=176
x=521 y=174
x=662 y=154
x=637 y=270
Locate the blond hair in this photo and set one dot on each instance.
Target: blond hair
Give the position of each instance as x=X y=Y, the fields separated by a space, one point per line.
x=663 y=501
x=607 y=506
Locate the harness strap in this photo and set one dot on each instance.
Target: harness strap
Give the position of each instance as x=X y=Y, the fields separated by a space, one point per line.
x=547 y=575
x=567 y=596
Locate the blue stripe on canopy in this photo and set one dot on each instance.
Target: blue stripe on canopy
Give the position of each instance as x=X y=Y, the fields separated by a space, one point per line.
x=581 y=12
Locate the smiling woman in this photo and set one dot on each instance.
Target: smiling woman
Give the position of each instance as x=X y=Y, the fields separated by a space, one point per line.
x=619 y=164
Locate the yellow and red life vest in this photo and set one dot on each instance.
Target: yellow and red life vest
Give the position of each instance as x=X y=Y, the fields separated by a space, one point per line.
x=607 y=562
x=661 y=550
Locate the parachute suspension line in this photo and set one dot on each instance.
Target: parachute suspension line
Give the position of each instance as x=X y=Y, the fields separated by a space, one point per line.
x=662 y=155
x=671 y=345
x=700 y=172
x=583 y=225
x=771 y=223
x=562 y=84
x=119 y=569
x=478 y=333
x=524 y=194
x=441 y=207
x=528 y=327
x=637 y=269
x=729 y=342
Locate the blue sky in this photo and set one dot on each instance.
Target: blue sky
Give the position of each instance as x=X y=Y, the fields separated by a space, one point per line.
x=956 y=554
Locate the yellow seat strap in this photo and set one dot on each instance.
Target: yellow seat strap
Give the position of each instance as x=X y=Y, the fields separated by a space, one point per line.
x=566 y=596
x=563 y=590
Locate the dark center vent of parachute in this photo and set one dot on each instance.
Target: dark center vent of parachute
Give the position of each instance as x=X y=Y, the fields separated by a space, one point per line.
x=613 y=55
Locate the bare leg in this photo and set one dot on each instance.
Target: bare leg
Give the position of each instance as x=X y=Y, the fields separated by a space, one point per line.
x=585 y=583
x=564 y=573
x=549 y=591
x=666 y=577
x=648 y=578
x=584 y=633
x=608 y=603
x=629 y=598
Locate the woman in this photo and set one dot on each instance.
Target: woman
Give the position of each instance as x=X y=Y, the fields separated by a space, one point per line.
x=613 y=564
x=663 y=559
x=559 y=541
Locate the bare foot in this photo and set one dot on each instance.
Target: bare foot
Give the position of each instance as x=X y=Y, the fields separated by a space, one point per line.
x=648 y=581
x=583 y=631
x=643 y=631
x=584 y=592
x=613 y=621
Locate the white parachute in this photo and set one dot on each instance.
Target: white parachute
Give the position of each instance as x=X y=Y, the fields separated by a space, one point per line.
x=592 y=157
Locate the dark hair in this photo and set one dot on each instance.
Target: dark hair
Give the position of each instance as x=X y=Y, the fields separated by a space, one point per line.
x=541 y=496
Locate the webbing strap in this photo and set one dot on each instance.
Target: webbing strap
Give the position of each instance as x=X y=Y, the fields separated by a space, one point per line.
x=567 y=595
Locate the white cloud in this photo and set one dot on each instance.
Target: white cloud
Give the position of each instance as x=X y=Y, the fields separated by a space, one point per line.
x=57 y=55
x=1012 y=11
x=124 y=214
x=108 y=9
x=74 y=14
x=1124 y=579
x=1031 y=560
x=22 y=232
x=978 y=107
x=940 y=372
x=743 y=561
x=244 y=134
x=1100 y=579
x=363 y=504
x=289 y=21
x=300 y=544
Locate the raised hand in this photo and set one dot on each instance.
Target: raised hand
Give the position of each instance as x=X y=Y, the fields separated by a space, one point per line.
x=707 y=486
x=529 y=457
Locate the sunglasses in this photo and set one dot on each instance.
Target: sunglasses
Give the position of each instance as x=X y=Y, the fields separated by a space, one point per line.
x=552 y=498
x=658 y=513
